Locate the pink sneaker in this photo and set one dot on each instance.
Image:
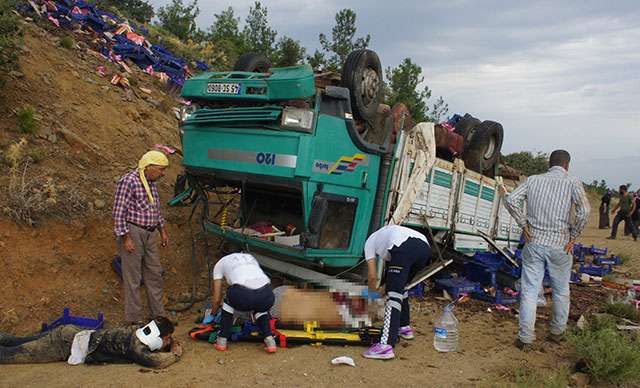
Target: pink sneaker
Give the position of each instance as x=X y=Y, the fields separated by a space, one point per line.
x=379 y=352
x=406 y=332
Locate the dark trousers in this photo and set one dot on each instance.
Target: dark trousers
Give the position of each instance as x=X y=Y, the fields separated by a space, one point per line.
x=628 y=222
x=51 y=346
x=241 y=298
x=406 y=260
x=604 y=216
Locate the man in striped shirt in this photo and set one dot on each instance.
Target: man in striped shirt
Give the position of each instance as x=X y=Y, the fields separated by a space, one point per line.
x=137 y=218
x=550 y=232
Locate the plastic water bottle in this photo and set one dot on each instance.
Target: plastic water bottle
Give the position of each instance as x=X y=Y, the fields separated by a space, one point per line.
x=445 y=338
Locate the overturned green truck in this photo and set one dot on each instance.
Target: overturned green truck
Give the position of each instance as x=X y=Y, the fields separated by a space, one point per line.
x=302 y=167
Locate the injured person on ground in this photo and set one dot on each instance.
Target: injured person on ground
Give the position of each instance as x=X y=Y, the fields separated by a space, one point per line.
x=151 y=345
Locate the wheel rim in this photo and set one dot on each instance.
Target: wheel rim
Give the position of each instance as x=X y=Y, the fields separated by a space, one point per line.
x=370 y=85
x=490 y=148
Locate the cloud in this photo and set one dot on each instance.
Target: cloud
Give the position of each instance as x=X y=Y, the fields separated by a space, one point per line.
x=555 y=74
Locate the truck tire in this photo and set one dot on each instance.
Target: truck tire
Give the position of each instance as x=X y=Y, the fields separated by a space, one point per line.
x=362 y=75
x=252 y=62
x=465 y=125
x=483 y=148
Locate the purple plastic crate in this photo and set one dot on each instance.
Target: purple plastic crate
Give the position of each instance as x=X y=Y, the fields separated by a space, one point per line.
x=457 y=286
x=68 y=319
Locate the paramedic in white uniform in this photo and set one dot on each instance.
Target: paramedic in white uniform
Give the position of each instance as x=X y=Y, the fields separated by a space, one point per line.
x=249 y=290
x=405 y=252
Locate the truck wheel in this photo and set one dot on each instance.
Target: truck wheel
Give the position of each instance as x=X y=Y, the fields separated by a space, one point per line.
x=362 y=75
x=483 y=148
x=252 y=62
x=465 y=125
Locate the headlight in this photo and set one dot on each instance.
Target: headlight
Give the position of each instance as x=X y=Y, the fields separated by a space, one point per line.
x=297 y=118
x=186 y=111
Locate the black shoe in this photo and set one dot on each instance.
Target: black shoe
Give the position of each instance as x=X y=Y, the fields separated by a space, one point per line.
x=525 y=347
x=611 y=238
x=556 y=338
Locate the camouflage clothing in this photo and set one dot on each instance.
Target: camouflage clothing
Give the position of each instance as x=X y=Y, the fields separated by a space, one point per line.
x=118 y=345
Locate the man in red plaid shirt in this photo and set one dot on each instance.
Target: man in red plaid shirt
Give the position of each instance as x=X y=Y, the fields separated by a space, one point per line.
x=136 y=214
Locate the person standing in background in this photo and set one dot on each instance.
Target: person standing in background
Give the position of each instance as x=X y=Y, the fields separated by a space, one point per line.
x=626 y=207
x=605 y=206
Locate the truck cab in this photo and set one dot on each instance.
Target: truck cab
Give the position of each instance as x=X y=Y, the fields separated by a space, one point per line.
x=304 y=179
x=302 y=167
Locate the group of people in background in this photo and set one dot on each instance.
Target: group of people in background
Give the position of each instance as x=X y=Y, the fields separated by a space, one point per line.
x=627 y=210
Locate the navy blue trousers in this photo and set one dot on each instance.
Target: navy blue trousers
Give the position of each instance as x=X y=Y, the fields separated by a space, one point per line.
x=240 y=298
x=406 y=261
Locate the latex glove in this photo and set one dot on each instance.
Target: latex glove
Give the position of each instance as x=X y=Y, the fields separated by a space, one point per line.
x=371 y=295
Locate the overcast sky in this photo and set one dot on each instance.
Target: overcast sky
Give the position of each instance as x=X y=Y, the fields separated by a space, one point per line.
x=555 y=74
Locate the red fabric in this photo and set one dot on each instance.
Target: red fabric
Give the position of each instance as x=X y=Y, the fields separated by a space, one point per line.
x=281 y=337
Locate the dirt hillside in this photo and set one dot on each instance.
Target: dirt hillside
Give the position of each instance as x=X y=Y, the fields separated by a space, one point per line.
x=89 y=133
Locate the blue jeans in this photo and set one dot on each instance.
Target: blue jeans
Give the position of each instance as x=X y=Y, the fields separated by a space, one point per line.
x=559 y=265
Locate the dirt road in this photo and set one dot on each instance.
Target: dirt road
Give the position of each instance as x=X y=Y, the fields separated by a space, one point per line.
x=486 y=355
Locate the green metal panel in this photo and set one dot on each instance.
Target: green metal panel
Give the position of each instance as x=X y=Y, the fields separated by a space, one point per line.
x=488 y=194
x=280 y=84
x=442 y=179
x=222 y=116
x=471 y=188
x=336 y=160
x=251 y=151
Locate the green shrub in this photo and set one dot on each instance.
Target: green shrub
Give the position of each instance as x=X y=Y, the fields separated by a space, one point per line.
x=610 y=356
x=10 y=34
x=27 y=119
x=67 y=42
x=623 y=310
x=35 y=155
x=602 y=321
x=525 y=378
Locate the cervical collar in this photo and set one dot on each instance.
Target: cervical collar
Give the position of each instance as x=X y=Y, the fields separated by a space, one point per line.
x=150 y=336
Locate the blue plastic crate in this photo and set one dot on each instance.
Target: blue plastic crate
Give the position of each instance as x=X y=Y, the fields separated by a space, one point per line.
x=580 y=251
x=481 y=273
x=611 y=260
x=68 y=319
x=595 y=270
x=457 y=286
x=575 y=277
x=417 y=291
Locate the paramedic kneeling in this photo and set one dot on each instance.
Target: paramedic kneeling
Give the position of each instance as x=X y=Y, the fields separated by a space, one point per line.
x=405 y=252
x=249 y=291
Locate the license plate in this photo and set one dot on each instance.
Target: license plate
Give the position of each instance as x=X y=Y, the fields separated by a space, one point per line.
x=223 y=88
